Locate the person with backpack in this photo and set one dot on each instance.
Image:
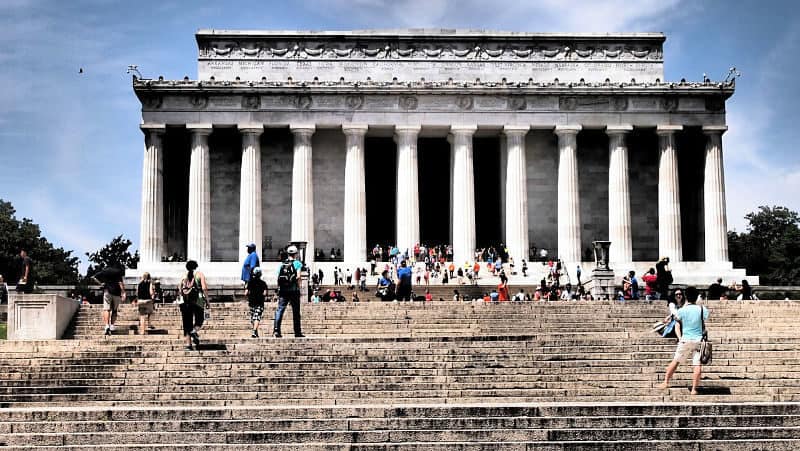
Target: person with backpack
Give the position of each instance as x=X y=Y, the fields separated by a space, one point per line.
x=194 y=296
x=256 y=292
x=145 y=293
x=692 y=319
x=289 y=292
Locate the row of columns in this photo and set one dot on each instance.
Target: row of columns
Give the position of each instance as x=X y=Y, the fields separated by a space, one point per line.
x=463 y=200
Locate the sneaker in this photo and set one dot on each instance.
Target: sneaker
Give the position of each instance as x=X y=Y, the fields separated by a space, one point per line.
x=299 y=336
x=254 y=334
x=151 y=327
x=277 y=335
x=108 y=331
x=195 y=338
x=113 y=327
x=189 y=348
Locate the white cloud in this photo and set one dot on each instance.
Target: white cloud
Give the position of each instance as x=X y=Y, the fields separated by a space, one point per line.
x=546 y=15
x=752 y=178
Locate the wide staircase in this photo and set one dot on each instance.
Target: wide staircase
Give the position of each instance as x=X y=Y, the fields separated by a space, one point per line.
x=427 y=376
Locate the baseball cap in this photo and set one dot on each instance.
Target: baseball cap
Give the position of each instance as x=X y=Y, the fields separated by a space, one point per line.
x=253 y=245
x=291 y=250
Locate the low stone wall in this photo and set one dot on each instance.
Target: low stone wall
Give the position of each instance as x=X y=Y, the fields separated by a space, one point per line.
x=39 y=316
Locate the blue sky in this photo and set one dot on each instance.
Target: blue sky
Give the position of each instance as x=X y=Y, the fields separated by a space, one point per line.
x=71 y=150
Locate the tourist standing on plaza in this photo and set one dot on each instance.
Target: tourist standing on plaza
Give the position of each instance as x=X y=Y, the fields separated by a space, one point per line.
x=250 y=262
x=194 y=296
x=664 y=275
x=289 y=292
x=3 y=291
x=25 y=284
x=650 y=284
x=716 y=291
x=692 y=318
x=145 y=293
x=404 y=282
x=256 y=292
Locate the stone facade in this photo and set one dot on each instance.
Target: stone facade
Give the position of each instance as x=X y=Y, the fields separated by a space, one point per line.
x=555 y=141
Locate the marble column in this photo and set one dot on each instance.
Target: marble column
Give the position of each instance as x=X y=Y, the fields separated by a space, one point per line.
x=198 y=238
x=303 y=188
x=716 y=221
x=407 y=187
x=569 y=211
x=250 y=223
x=670 y=243
x=619 y=197
x=151 y=236
x=355 y=197
x=463 y=193
x=516 y=193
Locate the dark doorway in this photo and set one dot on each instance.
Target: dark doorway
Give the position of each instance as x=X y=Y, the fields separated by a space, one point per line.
x=176 y=154
x=691 y=172
x=380 y=163
x=434 y=191
x=486 y=166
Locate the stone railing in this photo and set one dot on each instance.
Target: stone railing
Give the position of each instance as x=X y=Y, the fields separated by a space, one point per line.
x=39 y=316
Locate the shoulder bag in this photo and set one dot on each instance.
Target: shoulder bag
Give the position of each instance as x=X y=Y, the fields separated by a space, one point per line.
x=705 y=344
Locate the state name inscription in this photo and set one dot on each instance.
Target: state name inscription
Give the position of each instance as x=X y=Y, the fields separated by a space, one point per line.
x=442 y=71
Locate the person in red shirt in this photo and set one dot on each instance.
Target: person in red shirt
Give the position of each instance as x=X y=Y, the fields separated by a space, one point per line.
x=428 y=297
x=502 y=291
x=486 y=297
x=651 y=284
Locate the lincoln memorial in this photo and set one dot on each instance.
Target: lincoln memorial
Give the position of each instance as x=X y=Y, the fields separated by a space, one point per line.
x=349 y=139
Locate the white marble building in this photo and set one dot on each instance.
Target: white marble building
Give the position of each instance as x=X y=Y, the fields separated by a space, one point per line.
x=348 y=139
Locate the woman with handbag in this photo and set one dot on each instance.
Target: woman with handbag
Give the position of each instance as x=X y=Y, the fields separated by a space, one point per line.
x=691 y=336
x=193 y=302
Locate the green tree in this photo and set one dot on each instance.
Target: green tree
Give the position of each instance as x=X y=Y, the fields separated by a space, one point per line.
x=115 y=253
x=52 y=265
x=770 y=247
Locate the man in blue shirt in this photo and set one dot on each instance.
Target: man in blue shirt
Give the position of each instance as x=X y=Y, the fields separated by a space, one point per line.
x=691 y=318
x=250 y=262
x=404 y=282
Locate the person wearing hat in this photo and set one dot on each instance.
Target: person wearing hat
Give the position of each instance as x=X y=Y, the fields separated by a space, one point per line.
x=250 y=262
x=256 y=292
x=289 y=292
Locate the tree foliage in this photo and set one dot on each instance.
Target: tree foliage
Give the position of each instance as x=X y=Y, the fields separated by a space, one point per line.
x=115 y=253
x=52 y=265
x=770 y=247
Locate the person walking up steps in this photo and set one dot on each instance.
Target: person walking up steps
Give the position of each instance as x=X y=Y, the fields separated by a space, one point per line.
x=692 y=318
x=256 y=292
x=145 y=294
x=194 y=296
x=289 y=292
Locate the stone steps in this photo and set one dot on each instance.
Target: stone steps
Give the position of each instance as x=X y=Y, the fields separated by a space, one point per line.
x=522 y=426
x=569 y=375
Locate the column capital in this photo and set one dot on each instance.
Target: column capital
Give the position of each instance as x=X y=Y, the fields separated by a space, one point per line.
x=668 y=129
x=567 y=129
x=251 y=128
x=407 y=128
x=618 y=129
x=355 y=129
x=153 y=128
x=200 y=129
x=302 y=128
x=516 y=129
x=463 y=129
x=714 y=129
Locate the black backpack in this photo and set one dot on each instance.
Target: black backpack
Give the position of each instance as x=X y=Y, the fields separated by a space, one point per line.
x=287 y=279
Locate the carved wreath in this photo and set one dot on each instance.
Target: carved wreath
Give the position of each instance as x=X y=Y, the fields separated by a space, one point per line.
x=465 y=102
x=354 y=102
x=517 y=103
x=252 y=102
x=408 y=102
x=199 y=101
x=304 y=102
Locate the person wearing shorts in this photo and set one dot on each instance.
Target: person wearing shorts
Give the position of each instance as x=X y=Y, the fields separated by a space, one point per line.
x=144 y=301
x=691 y=318
x=113 y=296
x=256 y=292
